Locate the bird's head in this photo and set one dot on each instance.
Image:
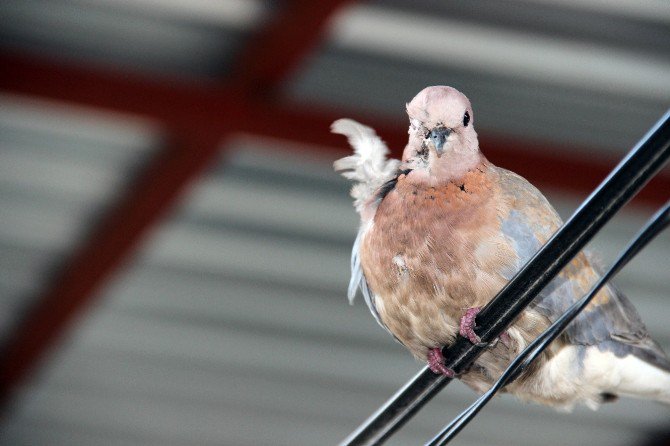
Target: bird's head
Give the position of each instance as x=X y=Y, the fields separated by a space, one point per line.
x=441 y=132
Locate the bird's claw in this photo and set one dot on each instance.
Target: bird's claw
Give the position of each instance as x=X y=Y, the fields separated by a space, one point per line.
x=467 y=326
x=436 y=363
x=467 y=330
x=505 y=339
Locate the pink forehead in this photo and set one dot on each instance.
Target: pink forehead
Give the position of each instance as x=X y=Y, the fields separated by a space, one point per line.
x=438 y=104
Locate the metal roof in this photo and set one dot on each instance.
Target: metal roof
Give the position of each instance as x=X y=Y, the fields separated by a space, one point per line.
x=222 y=317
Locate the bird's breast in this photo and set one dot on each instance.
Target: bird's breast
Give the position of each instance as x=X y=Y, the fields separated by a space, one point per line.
x=428 y=249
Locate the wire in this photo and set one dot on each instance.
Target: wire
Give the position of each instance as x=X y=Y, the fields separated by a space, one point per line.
x=627 y=178
x=654 y=226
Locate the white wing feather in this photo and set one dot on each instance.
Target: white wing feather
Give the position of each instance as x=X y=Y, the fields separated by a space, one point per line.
x=368 y=166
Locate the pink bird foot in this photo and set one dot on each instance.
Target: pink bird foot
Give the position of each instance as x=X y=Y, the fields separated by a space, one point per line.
x=467 y=326
x=505 y=339
x=467 y=329
x=436 y=363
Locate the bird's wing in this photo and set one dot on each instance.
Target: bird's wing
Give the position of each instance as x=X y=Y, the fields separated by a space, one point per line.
x=358 y=281
x=368 y=167
x=610 y=321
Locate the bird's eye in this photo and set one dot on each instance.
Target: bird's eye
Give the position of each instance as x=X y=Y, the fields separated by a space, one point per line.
x=466 y=119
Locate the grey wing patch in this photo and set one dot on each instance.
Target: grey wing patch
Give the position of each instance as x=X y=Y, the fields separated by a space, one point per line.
x=358 y=281
x=612 y=326
x=522 y=237
x=616 y=326
x=356 y=271
x=592 y=326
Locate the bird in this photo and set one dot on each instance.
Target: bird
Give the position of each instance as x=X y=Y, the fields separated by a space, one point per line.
x=443 y=229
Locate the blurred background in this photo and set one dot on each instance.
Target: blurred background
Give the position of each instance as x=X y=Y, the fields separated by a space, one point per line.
x=174 y=246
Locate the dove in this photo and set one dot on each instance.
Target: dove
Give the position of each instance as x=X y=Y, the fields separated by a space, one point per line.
x=443 y=230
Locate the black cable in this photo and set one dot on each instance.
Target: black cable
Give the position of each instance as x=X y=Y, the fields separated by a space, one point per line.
x=654 y=226
x=630 y=175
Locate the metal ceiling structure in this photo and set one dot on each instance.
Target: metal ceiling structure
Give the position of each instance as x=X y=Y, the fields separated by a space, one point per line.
x=189 y=150
x=212 y=122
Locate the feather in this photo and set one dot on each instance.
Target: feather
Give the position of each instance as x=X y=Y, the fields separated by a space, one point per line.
x=368 y=166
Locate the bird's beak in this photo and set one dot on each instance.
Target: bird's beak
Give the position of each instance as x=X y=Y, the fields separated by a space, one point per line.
x=439 y=136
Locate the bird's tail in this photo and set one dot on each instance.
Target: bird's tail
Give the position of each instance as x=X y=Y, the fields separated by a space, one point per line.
x=641 y=379
x=368 y=166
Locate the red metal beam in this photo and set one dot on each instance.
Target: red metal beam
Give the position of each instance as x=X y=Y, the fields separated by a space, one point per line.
x=91 y=266
x=283 y=45
x=206 y=108
x=196 y=118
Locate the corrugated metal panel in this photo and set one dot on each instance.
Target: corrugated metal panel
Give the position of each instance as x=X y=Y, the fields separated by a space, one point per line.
x=532 y=70
x=196 y=40
x=231 y=325
x=525 y=108
x=60 y=170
